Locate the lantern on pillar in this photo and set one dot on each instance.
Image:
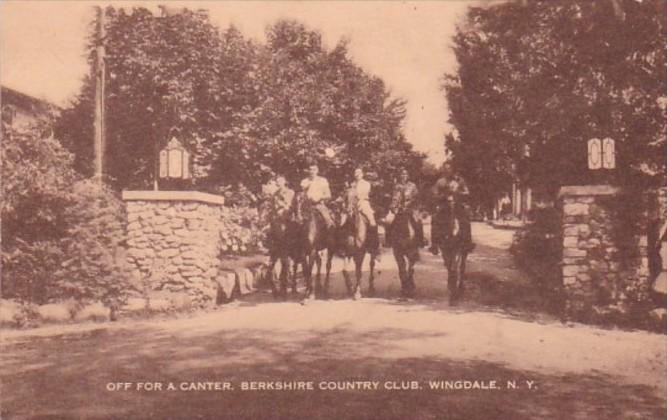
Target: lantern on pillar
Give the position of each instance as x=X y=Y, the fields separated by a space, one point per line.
x=601 y=153
x=174 y=161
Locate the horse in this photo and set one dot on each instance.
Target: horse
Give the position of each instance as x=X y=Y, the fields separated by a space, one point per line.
x=352 y=242
x=310 y=238
x=280 y=245
x=405 y=246
x=448 y=238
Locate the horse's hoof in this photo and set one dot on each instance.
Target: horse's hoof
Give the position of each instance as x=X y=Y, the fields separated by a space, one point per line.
x=357 y=295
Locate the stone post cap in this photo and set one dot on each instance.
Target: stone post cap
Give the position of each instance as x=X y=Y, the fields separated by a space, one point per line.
x=173 y=196
x=587 y=190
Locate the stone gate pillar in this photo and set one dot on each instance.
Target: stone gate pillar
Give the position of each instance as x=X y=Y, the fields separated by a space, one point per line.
x=594 y=273
x=174 y=240
x=660 y=282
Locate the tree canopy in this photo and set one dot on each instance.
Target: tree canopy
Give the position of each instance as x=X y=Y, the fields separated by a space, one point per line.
x=245 y=110
x=537 y=79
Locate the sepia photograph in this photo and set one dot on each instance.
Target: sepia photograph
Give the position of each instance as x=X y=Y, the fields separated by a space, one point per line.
x=434 y=209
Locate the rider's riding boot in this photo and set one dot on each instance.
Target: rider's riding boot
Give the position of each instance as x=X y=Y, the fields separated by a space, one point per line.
x=467 y=231
x=419 y=232
x=374 y=241
x=467 y=239
x=387 y=235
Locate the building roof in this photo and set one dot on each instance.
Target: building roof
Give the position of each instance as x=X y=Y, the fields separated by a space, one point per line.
x=26 y=103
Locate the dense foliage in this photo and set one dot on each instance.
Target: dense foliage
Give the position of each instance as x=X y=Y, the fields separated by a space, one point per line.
x=536 y=248
x=538 y=79
x=59 y=233
x=246 y=111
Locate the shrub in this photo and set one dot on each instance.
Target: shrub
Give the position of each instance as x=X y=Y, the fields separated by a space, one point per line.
x=537 y=249
x=37 y=176
x=29 y=268
x=93 y=271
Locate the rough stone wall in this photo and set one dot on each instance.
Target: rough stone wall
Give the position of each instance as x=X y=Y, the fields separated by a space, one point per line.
x=595 y=273
x=175 y=245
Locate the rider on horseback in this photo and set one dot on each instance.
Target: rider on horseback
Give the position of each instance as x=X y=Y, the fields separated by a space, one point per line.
x=357 y=198
x=278 y=198
x=451 y=184
x=317 y=192
x=404 y=199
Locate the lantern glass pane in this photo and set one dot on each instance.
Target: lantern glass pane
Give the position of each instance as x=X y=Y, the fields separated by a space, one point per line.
x=163 y=164
x=594 y=154
x=175 y=164
x=608 y=154
x=186 y=165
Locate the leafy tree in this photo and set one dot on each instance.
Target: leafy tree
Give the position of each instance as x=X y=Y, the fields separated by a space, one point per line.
x=162 y=76
x=537 y=80
x=246 y=111
x=36 y=175
x=311 y=100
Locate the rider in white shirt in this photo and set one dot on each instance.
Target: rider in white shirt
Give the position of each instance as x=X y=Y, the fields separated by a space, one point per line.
x=362 y=189
x=317 y=191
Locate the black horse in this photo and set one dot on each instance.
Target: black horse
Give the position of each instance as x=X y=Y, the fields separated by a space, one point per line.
x=280 y=244
x=449 y=237
x=405 y=245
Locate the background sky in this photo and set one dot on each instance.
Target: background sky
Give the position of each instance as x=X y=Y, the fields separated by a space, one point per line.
x=407 y=44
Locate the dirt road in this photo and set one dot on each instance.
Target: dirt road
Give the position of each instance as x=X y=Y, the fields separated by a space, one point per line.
x=374 y=358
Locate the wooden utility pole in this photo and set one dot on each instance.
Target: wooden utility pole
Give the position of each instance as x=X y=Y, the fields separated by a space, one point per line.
x=99 y=140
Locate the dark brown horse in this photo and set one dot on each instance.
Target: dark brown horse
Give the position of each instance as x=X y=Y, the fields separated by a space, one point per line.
x=448 y=237
x=405 y=245
x=311 y=236
x=352 y=241
x=280 y=244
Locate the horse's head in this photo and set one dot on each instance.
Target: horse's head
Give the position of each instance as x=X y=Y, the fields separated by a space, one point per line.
x=297 y=206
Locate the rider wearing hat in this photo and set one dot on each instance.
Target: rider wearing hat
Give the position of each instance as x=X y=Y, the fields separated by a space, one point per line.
x=452 y=185
x=404 y=199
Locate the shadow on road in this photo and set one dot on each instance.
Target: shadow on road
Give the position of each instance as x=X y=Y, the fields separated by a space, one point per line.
x=60 y=377
x=493 y=284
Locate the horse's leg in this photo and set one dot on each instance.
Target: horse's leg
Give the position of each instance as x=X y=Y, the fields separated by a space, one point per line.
x=307 y=265
x=346 y=275
x=400 y=262
x=284 y=273
x=318 y=274
x=270 y=274
x=327 y=273
x=295 y=269
x=358 y=265
x=412 y=259
x=462 y=272
x=453 y=277
x=371 y=276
